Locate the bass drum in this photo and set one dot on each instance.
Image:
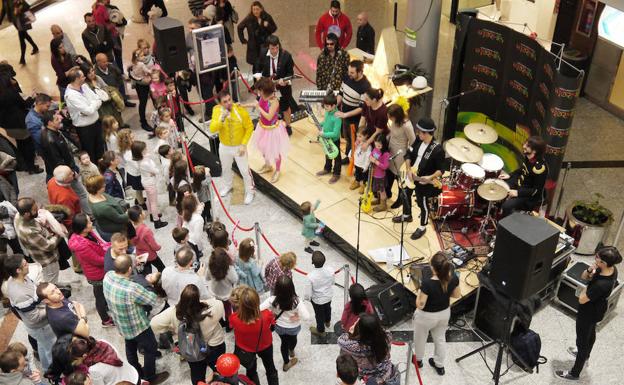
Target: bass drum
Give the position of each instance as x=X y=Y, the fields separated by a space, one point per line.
x=455 y=203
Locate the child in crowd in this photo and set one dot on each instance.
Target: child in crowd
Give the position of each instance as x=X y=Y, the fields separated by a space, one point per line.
x=182 y=192
x=164 y=157
x=358 y=303
x=193 y=221
x=78 y=378
x=133 y=175
x=270 y=136
x=222 y=278
x=320 y=292
x=219 y=237
x=289 y=311
x=347 y=370
x=30 y=370
x=172 y=96
x=332 y=127
x=149 y=176
x=162 y=135
x=166 y=121
x=201 y=188
x=86 y=167
x=181 y=237
x=146 y=49
x=380 y=158
x=110 y=126
x=309 y=225
x=247 y=267
x=361 y=160
x=144 y=240
x=158 y=89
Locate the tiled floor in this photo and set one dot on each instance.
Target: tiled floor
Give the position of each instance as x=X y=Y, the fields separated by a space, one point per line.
x=596 y=135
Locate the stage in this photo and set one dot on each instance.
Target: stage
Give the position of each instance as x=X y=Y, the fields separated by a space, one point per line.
x=339 y=210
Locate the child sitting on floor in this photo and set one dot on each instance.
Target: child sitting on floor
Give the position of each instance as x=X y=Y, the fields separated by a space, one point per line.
x=309 y=225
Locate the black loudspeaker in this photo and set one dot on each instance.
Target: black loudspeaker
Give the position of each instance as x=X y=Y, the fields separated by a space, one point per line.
x=523 y=255
x=391 y=302
x=203 y=157
x=170 y=44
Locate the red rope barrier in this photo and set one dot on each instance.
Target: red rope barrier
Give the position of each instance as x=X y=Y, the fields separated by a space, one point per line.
x=302 y=74
x=226 y=211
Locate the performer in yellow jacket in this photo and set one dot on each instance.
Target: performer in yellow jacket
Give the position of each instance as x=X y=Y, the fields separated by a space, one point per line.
x=234 y=126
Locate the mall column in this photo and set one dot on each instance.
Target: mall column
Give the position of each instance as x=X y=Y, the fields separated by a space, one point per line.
x=422 y=28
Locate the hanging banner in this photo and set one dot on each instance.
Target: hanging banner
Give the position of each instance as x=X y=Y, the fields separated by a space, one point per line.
x=520 y=92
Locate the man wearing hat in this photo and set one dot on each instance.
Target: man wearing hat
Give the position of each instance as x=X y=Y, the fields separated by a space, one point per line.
x=425 y=160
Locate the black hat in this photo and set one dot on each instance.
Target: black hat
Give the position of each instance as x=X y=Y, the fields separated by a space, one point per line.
x=426 y=125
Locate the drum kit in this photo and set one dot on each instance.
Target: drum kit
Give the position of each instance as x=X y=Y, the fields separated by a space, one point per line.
x=473 y=183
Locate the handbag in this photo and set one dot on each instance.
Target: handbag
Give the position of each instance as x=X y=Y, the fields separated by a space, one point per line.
x=116 y=97
x=30 y=17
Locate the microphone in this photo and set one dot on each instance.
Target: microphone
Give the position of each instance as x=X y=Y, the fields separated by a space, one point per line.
x=473 y=83
x=397 y=154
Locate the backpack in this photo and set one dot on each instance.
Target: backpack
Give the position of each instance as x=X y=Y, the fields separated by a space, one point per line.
x=527 y=344
x=191 y=342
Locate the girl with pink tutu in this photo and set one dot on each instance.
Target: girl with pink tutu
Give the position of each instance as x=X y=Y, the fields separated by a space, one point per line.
x=270 y=136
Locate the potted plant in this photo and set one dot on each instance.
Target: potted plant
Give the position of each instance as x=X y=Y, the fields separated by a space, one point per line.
x=588 y=222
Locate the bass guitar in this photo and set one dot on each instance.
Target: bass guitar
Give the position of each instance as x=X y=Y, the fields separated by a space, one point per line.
x=405 y=180
x=329 y=147
x=367 y=199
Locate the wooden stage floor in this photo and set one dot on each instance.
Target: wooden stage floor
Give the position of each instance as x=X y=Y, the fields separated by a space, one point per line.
x=339 y=208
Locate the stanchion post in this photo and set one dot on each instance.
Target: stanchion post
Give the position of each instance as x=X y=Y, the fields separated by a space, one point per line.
x=257 y=232
x=347 y=277
x=409 y=361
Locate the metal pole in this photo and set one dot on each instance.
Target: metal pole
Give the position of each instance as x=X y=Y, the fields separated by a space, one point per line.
x=619 y=231
x=257 y=232
x=409 y=361
x=347 y=277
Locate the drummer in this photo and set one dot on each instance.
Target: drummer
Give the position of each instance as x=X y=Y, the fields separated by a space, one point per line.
x=527 y=182
x=426 y=156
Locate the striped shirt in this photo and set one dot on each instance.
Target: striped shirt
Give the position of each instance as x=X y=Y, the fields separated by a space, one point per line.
x=352 y=92
x=126 y=299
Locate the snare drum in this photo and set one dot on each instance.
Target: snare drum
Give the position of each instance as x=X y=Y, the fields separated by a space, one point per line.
x=470 y=176
x=455 y=203
x=492 y=164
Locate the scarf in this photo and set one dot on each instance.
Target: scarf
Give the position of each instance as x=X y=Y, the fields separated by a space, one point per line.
x=104 y=353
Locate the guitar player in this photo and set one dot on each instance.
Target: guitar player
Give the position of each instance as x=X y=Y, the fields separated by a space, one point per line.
x=277 y=63
x=427 y=157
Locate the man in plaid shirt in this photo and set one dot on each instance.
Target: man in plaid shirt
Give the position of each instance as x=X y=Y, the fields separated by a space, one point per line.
x=126 y=300
x=37 y=240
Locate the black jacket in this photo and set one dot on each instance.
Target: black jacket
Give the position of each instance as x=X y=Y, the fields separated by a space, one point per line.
x=366 y=39
x=285 y=64
x=98 y=41
x=529 y=179
x=55 y=151
x=256 y=34
x=432 y=161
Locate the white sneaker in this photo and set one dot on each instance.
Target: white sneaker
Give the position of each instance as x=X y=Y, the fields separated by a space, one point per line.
x=249 y=198
x=225 y=191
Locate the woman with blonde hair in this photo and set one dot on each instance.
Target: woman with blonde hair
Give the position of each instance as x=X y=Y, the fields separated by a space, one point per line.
x=253 y=336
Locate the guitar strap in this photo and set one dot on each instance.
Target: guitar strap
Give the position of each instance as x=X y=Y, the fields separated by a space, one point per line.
x=428 y=152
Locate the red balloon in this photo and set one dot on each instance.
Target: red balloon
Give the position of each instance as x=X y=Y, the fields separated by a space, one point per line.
x=228 y=364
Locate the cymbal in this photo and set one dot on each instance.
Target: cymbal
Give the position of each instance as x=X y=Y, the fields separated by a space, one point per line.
x=462 y=150
x=492 y=192
x=480 y=133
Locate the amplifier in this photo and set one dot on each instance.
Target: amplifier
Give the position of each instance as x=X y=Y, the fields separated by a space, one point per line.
x=572 y=285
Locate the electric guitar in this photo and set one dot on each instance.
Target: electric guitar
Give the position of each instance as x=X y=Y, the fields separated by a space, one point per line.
x=407 y=182
x=368 y=196
x=329 y=147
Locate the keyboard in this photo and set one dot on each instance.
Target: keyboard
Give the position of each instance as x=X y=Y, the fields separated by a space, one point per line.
x=313 y=96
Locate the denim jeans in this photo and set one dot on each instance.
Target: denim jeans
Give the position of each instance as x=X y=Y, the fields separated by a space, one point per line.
x=45 y=339
x=147 y=341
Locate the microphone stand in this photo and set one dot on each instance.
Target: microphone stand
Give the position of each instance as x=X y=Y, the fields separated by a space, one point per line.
x=444 y=103
x=357 y=244
x=403 y=197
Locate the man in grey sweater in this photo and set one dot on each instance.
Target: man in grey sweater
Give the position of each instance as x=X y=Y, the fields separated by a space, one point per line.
x=21 y=291
x=175 y=278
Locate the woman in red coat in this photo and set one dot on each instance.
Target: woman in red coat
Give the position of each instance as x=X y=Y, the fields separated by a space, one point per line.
x=89 y=248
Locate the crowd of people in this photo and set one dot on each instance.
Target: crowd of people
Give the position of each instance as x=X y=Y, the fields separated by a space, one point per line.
x=103 y=184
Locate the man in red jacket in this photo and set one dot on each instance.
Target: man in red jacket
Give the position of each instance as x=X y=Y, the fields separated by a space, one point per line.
x=61 y=193
x=335 y=22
